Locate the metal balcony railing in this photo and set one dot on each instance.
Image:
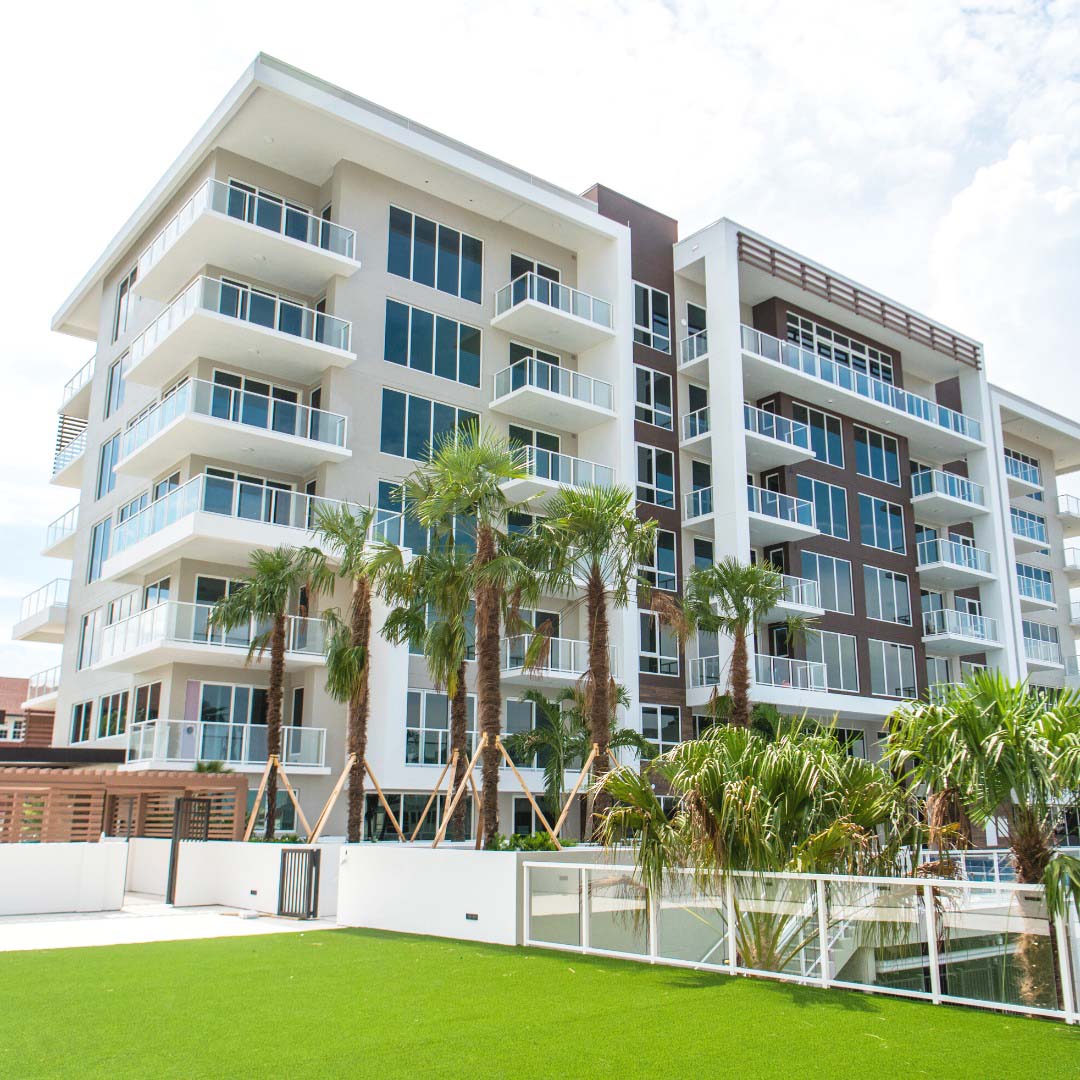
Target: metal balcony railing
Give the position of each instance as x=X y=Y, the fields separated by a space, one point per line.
x=696 y=423
x=1035 y=588
x=1023 y=470
x=776 y=504
x=560 y=656
x=54 y=594
x=959 y=623
x=780 y=428
x=783 y=671
x=63 y=527
x=693 y=347
x=564 y=469
x=698 y=503
x=939 y=482
x=77 y=381
x=1046 y=652
x=530 y=286
x=955 y=554
x=43 y=682
x=189 y=741
x=540 y=375
x=1028 y=528
x=802 y=592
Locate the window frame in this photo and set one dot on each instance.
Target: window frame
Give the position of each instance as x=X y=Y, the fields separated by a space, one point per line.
x=833 y=559
x=652 y=452
x=411 y=310
x=826 y=418
x=882 y=647
x=648 y=335
x=815 y=483
x=664 y=635
x=653 y=411
x=840 y=639
x=662 y=745
x=437 y=249
x=881 y=451
x=897 y=590
x=871 y=520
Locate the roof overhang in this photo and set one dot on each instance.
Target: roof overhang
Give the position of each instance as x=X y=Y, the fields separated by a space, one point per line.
x=1036 y=424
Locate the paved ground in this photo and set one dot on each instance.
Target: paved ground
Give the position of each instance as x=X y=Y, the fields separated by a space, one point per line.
x=142 y=918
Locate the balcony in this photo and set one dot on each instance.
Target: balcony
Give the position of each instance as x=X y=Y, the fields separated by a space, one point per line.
x=548 y=471
x=1023 y=478
x=933 y=431
x=43 y=613
x=696 y=429
x=1074 y=614
x=217 y=520
x=541 y=310
x=563 y=664
x=943 y=498
x=956 y=633
x=777 y=671
x=60 y=535
x=70 y=454
x=43 y=689
x=1035 y=593
x=801 y=598
x=75 y=398
x=776 y=518
x=694 y=354
x=698 y=511
x=223 y=322
x=947 y=564
x=1028 y=534
x=772 y=441
x=1072 y=672
x=223 y=225
x=232 y=425
x=1069 y=515
x=552 y=397
x=176 y=632
x=1043 y=655
x=1072 y=562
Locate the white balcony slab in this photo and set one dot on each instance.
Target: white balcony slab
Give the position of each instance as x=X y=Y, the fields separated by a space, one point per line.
x=1030 y=603
x=694 y=356
x=60 y=536
x=1025 y=544
x=1069 y=515
x=548 y=313
x=801 y=599
x=551 y=410
x=763 y=452
x=940 y=498
x=46 y=625
x=68 y=463
x=1072 y=563
x=75 y=397
x=957 y=643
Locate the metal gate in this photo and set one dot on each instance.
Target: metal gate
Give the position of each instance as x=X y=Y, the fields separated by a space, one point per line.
x=298 y=883
x=191 y=821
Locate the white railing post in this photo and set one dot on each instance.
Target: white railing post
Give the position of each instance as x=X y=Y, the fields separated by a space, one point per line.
x=583 y=907
x=931 y=942
x=527 y=902
x=1068 y=990
x=823 y=931
x=653 y=900
x=729 y=902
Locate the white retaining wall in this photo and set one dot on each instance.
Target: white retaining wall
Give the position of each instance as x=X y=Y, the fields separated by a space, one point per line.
x=40 y=879
x=148 y=865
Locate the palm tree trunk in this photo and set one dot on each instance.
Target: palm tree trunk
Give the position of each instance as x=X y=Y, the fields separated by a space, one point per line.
x=740 y=682
x=359 y=708
x=1036 y=954
x=273 y=716
x=600 y=683
x=459 y=718
x=488 y=687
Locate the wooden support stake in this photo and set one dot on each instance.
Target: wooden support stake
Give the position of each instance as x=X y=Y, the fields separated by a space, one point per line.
x=528 y=794
x=292 y=795
x=324 y=816
x=258 y=799
x=441 y=835
x=385 y=804
x=451 y=764
x=573 y=794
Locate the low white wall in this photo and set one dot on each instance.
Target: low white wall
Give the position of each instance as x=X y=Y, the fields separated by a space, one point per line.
x=39 y=879
x=148 y=865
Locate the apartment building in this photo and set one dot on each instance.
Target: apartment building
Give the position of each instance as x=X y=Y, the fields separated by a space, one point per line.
x=319 y=287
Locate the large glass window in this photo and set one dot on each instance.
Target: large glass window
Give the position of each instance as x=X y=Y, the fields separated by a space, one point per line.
x=114 y=385
x=837 y=653
x=830 y=505
x=435 y=255
x=147 y=702
x=826 y=433
x=431 y=343
x=411 y=425
x=881 y=524
x=427 y=727
x=112 y=714
x=888 y=595
x=659 y=650
x=88 y=639
x=660 y=573
x=656 y=476
x=662 y=726
x=839 y=348
x=99 y=549
x=892 y=670
x=653 y=405
x=82 y=721
x=122 y=313
x=652 y=317
x=834 y=581
x=107 y=459
x=877 y=456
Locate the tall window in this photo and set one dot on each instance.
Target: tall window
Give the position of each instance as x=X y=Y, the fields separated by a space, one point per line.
x=653 y=389
x=114 y=385
x=877 y=456
x=655 y=476
x=418 y=339
x=123 y=303
x=834 y=581
x=427 y=727
x=112 y=714
x=147 y=702
x=892 y=670
x=826 y=433
x=881 y=524
x=888 y=595
x=660 y=572
x=659 y=651
x=839 y=348
x=88 y=639
x=435 y=255
x=937 y=671
x=652 y=317
x=411 y=425
x=662 y=726
x=703 y=552
x=107 y=459
x=82 y=721
x=99 y=549
x=830 y=505
x=837 y=653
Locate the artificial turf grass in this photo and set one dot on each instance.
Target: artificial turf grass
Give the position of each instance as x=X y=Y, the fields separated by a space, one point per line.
x=370 y=1004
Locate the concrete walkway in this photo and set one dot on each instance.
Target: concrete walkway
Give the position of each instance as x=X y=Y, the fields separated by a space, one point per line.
x=142 y=918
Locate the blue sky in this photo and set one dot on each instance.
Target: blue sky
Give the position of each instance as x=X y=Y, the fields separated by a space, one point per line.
x=928 y=149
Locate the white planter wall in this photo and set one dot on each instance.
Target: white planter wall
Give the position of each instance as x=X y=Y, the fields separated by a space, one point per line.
x=148 y=865
x=45 y=878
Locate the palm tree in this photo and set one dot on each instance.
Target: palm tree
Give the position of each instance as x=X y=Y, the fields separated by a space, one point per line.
x=462 y=481
x=593 y=534
x=1007 y=750
x=729 y=598
x=262 y=600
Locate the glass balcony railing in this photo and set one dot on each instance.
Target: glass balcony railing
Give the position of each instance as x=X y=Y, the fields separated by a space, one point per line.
x=1074 y=612
x=694 y=347
x=1068 y=506
x=564 y=469
x=530 y=286
x=246 y=305
x=1035 y=588
x=698 y=503
x=267 y=213
x=782 y=671
x=1042 y=652
x=561 y=656
x=775 y=504
x=241 y=501
x=1072 y=665
x=1024 y=471
x=232 y=744
x=960 y=624
x=197 y=397
x=69 y=453
x=62 y=527
x=1029 y=529
x=43 y=682
x=696 y=423
x=540 y=375
x=801 y=592
x=1072 y=557
x=184 y=623
x=955 y=554
x=939 y=482
x=81 y=378
x=761 y=422
x=54 y=594
x=836 y=374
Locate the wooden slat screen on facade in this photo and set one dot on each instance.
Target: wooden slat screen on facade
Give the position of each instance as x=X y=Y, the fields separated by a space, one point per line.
x=842 y=293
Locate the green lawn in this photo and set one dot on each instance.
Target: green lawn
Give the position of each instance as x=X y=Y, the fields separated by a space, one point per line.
x=367 y=1004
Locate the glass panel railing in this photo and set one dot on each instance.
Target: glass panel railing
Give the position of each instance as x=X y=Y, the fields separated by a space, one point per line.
x=1044 y=652
x=1068 y=506
x=955 y=554
x=706 y=671
x=1028 y=528
x=960 y=623
x=783 y=671
x=803 y=592
x=530 y=286
x=1072 y=663
x=694 y=347
x=1072 y=557
x=857 y=382
x=1032 y=588
x=1074 y=612
x=939 y=482
x=1023 y=470
x=540 y=375
x=247 y=305
x=762 y=422
x=69 y=453
x=775 y=504
x=81 y=378
x=564 y=469
x=696 y=423
x=231 y=744
x=43 y=682
x=242 y=407
x=268 y=213
x=698 y=503
x=54 y=594
x=564 y=656
x=62 y=527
